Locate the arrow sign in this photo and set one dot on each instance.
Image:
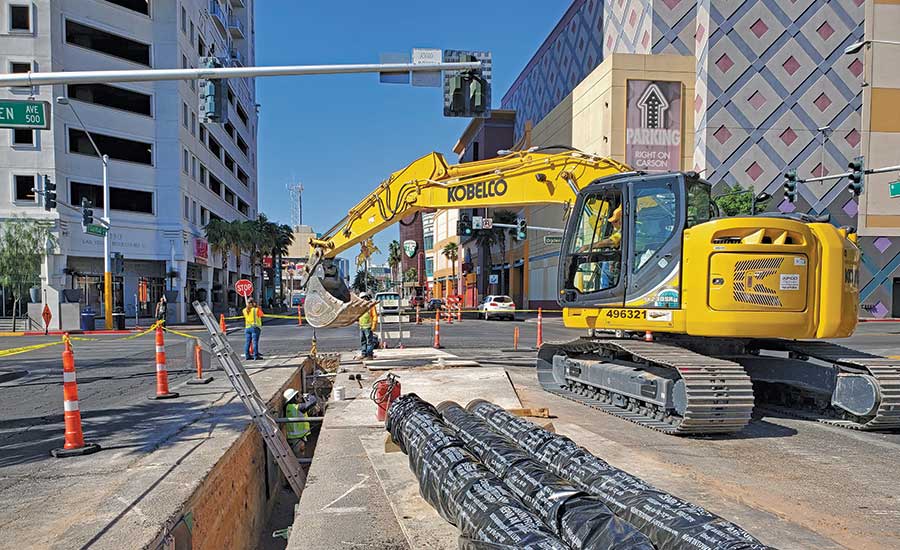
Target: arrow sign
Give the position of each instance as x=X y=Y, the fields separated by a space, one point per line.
x=653 y=106
x=243 y=288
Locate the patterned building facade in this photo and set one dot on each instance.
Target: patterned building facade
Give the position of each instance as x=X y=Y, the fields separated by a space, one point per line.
x=774 y=91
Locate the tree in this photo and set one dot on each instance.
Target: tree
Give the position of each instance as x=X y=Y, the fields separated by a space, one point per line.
x=736 y=201
x=23 y=244
x=364 y=281
x=451 y=252
x=411 y=275
x=395 y=256
x=219 y=235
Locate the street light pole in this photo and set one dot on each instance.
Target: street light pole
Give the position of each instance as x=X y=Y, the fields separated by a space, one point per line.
x=107 y=271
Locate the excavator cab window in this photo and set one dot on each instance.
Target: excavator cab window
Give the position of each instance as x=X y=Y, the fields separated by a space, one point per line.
x=595 y=256
x=700 y=206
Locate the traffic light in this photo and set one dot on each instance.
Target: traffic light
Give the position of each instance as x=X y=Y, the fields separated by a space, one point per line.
x=521 y=229
x=857 y=172
x=790 y=186
x=49 y=194
x=467 y=93
x=464 y=226
x=87 y=213
x=213 y=95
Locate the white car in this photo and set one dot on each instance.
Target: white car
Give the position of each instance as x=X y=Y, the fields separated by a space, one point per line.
x=494 y=306
x=388 y=302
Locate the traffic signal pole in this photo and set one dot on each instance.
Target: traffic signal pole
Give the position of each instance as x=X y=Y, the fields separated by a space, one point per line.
x=107 y=272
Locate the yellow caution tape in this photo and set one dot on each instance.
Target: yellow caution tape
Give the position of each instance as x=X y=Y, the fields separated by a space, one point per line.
x=25 y=349
x=177 y=333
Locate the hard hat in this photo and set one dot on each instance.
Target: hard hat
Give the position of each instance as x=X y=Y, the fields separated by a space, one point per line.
x=364 y=295
x=616 y=215
x=289 y=394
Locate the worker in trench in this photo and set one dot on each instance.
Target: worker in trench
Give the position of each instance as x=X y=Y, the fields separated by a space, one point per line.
x=297 y=433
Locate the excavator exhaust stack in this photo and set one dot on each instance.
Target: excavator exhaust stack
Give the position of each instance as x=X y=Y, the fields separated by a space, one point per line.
x=330 y=304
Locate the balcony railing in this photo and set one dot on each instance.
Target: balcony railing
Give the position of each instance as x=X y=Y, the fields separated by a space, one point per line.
x=237 y=59
x=236 y=27
x=219 y=15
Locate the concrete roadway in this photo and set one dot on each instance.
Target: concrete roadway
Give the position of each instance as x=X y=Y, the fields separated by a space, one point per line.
x=841 y=484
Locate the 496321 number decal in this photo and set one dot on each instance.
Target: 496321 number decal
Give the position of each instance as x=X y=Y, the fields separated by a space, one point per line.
x=626 y=313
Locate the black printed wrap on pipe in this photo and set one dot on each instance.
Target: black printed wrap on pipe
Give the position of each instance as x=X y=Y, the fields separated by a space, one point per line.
x=670 y=522
x=461 y=489
x=580 y=520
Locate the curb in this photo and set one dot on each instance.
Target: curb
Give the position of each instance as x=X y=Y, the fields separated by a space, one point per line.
x=11 y=374
x=888 y=320
x=17 y=333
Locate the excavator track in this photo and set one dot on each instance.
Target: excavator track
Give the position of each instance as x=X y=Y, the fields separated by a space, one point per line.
x=885 y=372
x=719 y=392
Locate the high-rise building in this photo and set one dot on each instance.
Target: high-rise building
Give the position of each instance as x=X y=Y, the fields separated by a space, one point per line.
x=169 y=173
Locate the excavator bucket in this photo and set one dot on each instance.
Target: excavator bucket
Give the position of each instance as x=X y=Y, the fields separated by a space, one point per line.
x=325 y=310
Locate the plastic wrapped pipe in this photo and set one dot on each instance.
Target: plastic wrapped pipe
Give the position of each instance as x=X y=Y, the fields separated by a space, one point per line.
x=461 y=489
x=580 y=520
x=670 y=522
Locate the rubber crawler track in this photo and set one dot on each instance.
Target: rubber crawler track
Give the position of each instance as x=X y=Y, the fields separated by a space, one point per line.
x=719 y=392
x=886 y=372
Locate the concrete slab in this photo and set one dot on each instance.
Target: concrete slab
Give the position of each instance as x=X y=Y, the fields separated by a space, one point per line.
x=134 y=490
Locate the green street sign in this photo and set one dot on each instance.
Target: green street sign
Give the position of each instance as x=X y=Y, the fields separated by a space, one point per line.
x=20 y=113
x=552 y=239
x=98 y=230
x=895 y=189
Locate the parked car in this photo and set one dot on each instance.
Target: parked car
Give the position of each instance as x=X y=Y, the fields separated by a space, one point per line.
x=416 y=301
x=495 y=306
x=434 y=304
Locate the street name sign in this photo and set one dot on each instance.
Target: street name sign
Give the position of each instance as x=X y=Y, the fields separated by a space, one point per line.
x=894 y=189
x=244 y=288
x=22 y=113
x=93 y=229
x=552 y=239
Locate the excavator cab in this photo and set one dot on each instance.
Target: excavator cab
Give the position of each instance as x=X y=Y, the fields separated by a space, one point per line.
x=623 y=243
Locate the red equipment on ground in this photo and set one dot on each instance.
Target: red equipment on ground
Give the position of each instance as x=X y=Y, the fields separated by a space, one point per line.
x=384 y=391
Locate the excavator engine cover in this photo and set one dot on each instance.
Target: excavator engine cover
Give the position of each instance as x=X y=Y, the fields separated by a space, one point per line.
x=324 y=309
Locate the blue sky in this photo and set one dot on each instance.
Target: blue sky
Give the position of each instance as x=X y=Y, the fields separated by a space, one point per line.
x=340 y=135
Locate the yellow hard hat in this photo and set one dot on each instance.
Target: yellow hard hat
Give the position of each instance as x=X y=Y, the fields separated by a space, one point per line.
x=616 y=215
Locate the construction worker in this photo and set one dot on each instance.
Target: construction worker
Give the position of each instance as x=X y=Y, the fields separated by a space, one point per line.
x=367 y=324
x=253 y=316
x=297 y=432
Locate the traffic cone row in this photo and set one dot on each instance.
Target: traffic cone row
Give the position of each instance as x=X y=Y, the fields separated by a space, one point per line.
x=162 y=375
x=74 y=445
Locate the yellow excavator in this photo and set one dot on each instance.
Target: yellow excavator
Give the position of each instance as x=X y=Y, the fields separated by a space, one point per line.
x=691 y=318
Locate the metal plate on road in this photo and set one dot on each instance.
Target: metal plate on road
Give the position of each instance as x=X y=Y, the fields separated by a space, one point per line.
x=93 y=229
x=21 y=113
x=894 y=189
x=552 y=239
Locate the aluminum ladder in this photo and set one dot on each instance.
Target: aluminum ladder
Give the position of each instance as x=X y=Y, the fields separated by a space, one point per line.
x=231 y=363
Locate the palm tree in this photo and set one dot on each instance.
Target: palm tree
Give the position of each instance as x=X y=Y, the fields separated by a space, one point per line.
x=395 y=256
x=506 y=217
x=366 y=249
x=451 y=252
x=220 y=237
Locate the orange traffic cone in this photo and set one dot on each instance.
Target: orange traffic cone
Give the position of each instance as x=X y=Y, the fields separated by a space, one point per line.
x=418 y=317
x=540 y=330
x=516 y=338
x=648 y=336
x=75 y=445
x=198 y=362
x=437 y=330
x=299 y=317
x=222 y=326
x=162 y=375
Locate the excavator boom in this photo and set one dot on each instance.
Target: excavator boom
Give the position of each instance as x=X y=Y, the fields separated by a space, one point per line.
x=537 y=176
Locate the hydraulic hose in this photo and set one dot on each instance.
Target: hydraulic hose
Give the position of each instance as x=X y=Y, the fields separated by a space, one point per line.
x=461 y=489
x=580 y=520
x=670 y=522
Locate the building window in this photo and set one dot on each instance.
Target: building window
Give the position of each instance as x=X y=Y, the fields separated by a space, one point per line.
x=243 y=208
x=229 y=162
x=183 y=19
x=191 y=35
x=25 y=188
x=140 y=6
x=201 y=46
x=184 y=63
x=229 y=129
x=193 y=167
x=113 y=97
x=204 y=216
x=186 y=161
x=193 y=211
x=23 y=137
x=229 y=196
x=193 y=124
x=184 y=115
x=242 y=145
x=203 y=175
x=428 y=242
x=20 y=18
x=215 y=185
x=128 y=200
x=202 y=135
x=242 y=114
x=242 y=177
x=20 y=67
x=107 y=43
x=214 y=147
x=187 y=207
x=230 y=96
x=117 y=148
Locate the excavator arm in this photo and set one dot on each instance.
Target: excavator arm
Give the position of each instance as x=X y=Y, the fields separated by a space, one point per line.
x=536 y=176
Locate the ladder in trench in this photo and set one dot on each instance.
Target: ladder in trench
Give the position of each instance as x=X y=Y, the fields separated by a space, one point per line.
x=268 y=428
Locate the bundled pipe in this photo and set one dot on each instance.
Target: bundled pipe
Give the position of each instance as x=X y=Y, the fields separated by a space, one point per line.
x=670 y=522
x=461 y=489
x=580 y=520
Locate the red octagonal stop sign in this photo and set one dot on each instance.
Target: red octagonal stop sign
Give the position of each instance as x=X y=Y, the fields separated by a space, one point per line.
x=244 y=288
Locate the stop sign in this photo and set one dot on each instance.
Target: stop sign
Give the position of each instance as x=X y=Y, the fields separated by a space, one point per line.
x=243 y=288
